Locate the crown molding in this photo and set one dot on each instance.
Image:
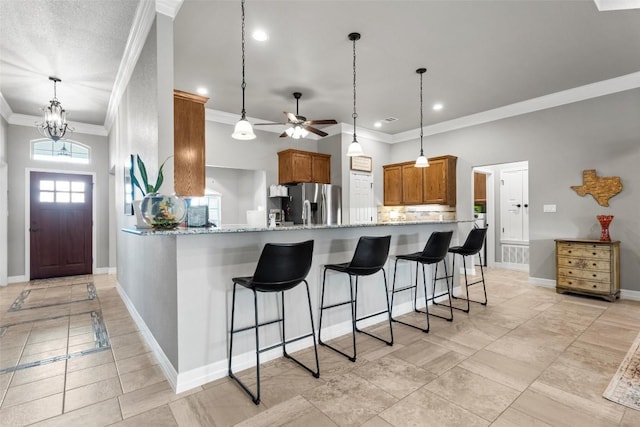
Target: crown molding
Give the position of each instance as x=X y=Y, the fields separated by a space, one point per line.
x=5 y=109
x=605 y=5
x=142 y=22
x=168 y=7
x=580 y=93
x=31 y=121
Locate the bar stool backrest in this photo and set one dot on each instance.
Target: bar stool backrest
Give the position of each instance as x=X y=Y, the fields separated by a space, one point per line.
x=370 y=255
x=283 y=265
x=437 y=246
x=474 y=241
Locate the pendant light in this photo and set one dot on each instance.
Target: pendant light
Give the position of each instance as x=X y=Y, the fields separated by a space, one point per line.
x=54 y=125
x=243 y=129
x=421 y=161
x=355 y=149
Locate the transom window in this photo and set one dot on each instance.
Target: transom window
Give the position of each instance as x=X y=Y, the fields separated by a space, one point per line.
x=61 y=191
x=60 y=151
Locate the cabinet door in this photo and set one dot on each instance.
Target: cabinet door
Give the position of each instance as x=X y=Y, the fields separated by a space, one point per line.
x=188 y=144
x=392 y=185
x=434 y=189
x=411 y=185
x=479 y=187
x=301 y=166
x=321 y=169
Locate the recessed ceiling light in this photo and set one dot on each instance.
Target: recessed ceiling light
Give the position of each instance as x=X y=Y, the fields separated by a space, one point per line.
x=260 y=35
x=437 y=106
x=202 y=91
x=377 y=124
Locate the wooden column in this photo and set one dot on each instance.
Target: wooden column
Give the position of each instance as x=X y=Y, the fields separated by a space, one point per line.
x=188 y=144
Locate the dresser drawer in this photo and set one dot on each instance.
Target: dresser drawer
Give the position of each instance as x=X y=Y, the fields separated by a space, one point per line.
x=600 y=276
x=585 y=251
x=584 y=263
x=583 y=284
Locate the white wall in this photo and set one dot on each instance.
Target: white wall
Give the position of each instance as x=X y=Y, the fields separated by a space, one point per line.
x=240 y=190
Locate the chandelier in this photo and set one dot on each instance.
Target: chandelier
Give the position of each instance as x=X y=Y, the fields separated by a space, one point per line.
x=55 y=124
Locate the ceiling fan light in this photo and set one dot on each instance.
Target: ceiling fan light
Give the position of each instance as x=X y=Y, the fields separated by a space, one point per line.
x=243 y=131
x=422 y=162
x=290 y=132
x=355 y=149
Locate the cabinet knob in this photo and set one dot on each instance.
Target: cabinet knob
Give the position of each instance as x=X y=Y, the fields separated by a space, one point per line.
x=594 y=264
x=595 y=275
x=594 y=286
x=568 y=251
x=593 y=253
x=570 y=282
x=570 y=272
x=569 y=262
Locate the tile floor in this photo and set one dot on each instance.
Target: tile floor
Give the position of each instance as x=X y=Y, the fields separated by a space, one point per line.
x=530 y=358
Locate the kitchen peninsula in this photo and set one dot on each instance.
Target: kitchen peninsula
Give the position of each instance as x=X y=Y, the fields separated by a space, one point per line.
x=177 y=286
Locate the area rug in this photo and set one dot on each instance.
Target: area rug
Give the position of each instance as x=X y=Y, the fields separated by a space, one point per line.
x=624 y=388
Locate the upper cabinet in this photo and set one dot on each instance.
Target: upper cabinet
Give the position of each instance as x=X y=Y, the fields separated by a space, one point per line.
x=479 y=188
x=296 y=166
x=188 y=144
x=404 y=184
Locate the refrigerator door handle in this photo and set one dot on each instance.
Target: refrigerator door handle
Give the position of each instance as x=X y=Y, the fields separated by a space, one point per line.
x=324 y=208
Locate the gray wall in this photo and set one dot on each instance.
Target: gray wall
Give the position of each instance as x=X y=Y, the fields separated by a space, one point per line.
x=4 y=193
x=19 y=159
x=559 y=143
x=240 y=190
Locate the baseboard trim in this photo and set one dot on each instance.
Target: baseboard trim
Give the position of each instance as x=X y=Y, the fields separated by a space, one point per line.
x=102 y=270
x=167 y=368
x=17 y=279
x=629 y=294
x=539 y=281
x=511 y=266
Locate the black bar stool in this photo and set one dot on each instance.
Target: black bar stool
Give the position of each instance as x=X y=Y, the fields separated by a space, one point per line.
x=370 y=256
x=471 y=247
x=281 y=267
x=434 y=252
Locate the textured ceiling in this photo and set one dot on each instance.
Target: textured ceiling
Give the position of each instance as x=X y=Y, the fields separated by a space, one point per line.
x=480 y=55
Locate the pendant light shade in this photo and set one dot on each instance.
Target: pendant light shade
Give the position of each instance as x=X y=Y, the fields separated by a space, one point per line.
x=243 y=129
x=355 y=149
x=421 y=161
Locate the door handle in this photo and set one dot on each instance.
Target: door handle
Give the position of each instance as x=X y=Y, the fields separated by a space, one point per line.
x=34 y=229
x=526 y=205
x=518 y=205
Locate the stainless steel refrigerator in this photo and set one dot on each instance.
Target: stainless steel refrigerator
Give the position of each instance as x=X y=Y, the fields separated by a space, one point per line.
x=325 y=203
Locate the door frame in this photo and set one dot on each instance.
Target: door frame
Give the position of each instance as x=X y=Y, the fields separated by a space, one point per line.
x=27 y=211
x=491 y=215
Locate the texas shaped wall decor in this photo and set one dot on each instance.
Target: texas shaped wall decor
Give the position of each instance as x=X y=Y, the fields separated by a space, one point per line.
x=602 y=188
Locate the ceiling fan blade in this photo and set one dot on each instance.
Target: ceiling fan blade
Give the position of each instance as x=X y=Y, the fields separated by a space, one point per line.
x=316 y=131
x=283 y=135
x=321 y=122
x=266 y=124
x=292 y=117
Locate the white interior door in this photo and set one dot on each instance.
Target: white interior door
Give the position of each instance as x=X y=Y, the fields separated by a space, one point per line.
x=514 y=203
x=362 y=209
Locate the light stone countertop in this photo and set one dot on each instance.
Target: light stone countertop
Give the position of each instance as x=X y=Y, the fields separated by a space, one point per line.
x=242 y=229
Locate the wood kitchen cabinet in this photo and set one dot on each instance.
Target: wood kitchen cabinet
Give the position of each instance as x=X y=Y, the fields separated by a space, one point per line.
x=392 y=185
x=589 y=267
x=296 y=166
x=188 y=144
x=479 y=188
x=404 y=184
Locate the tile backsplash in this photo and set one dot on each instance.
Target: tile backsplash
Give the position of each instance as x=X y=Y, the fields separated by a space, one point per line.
x=416 y=213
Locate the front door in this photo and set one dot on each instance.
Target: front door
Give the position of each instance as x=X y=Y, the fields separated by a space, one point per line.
x=61 y=224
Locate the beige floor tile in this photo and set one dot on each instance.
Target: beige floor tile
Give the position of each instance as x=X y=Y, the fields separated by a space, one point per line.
x=431 y=357
x=479 y=395
x=294 y=412
x=223 y=405
x=34 y=390
x=552 y=412
x=91 y=393
x=24 y=376
x=157 y=417
x=395 y=376
x=376 y=422
x=100 y=414
x=349 y=400
x=502 y=369
x=136 y=363
x=631 y=418
x=91 y=375
x=87 y=361
x=610 y=335
x=145 y=399
x=144 y=377
x=5 y=380
x=9 y=357
x=514 y=418
x=31 y=412
x=425 y=408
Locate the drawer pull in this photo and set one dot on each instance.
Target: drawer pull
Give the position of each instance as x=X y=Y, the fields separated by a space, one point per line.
x=568 y=251
x=593 y=253
x=595 y=275
x=569 y=262
x=594 y=286
x=594 y=264
x=570 y=272
x=570 y=282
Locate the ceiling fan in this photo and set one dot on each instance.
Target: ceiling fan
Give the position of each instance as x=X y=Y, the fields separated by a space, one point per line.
x=300 y=126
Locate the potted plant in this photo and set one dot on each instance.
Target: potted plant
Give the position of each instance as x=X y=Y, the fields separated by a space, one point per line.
x=155 y=210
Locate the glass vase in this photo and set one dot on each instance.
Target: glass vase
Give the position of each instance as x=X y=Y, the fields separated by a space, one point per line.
x=605 y=221
x=163 y=212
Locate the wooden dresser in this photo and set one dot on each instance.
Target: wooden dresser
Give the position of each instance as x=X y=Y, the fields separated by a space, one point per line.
x=588 y=267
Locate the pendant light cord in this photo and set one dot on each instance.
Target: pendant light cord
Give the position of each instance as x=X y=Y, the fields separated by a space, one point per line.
x=354 y=37
x=244 y=84
x=421 y=129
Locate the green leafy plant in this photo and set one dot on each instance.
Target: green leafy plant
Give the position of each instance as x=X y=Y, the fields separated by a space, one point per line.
x=145 y=188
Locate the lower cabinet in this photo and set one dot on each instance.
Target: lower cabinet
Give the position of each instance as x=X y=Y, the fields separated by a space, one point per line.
x=588 y=267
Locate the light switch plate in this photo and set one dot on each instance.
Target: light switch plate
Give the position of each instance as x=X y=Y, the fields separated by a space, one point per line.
x=549 y=208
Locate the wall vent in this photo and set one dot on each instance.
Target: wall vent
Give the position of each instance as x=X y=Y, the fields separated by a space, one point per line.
x=389 y=119
x=515 y=254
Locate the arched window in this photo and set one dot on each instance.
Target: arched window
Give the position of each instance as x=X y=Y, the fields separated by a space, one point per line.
x=62 y=150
